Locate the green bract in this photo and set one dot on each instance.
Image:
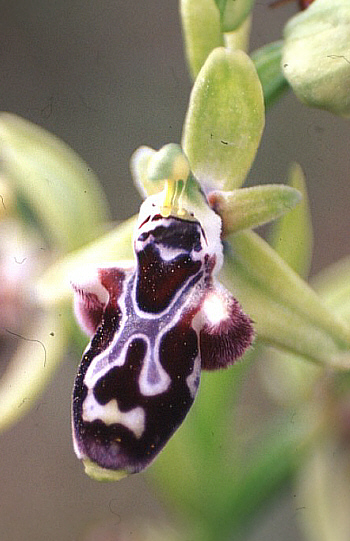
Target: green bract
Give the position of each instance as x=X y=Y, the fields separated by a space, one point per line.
x=208 y=24
x=201 y=31
x=224 y=121
x=316 y=55
x=233 y=13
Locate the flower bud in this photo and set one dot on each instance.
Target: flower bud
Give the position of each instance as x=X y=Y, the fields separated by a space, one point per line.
x=316 y=55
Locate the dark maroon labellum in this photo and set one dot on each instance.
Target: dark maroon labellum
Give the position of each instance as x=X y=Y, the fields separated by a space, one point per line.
x=154 y=327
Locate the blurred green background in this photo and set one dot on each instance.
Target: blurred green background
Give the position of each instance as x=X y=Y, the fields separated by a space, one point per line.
x=107 y=77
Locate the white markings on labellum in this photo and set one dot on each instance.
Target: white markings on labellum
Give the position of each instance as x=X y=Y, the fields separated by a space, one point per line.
x=155 y=327
x=110 y=413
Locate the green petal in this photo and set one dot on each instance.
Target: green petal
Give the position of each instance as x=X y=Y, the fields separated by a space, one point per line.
x=292 y=235
x=40 y=350
x=286 y=311
x=139 y=163
x=233 y=13
x=267 y=61
x=201 y=31
x=224 y=121
x=251 y=207
x=53 y=182
x=168 y=163
x=54 y=286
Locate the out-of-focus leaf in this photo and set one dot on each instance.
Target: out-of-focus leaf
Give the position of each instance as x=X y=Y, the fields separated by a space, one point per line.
x=217 y=485
x=286 y=312
x=199 y=480
x=267 y=61
x=251 y=207
x=54 y=286
x=40 y=349
x=333 y=285
x=289 y=379
x=277 y=455
x=323 y=491
x=292 y=235
x=201 y=31
x=58 y=187
x=7 y=198
x=224 y=121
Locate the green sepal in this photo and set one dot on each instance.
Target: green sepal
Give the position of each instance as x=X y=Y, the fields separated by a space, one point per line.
x=54 y=285
x=286 y=312
x=233 y=13
x=251 y=207
x=40 y=349
x=224 y=121
x=56 y=186
x=292 y=236
x=267 y=61
x=201 y=31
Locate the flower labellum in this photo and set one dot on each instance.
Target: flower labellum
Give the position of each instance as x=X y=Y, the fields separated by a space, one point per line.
x=154 y=325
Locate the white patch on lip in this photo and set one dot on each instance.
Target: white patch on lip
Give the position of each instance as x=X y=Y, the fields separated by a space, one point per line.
x=193 y=379
x=216 y=308
x=110 y=413
x=153 y=378
x=168 y=254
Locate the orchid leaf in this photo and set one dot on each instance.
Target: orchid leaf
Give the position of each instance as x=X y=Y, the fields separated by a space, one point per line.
x=224 y=120
x=251 y=207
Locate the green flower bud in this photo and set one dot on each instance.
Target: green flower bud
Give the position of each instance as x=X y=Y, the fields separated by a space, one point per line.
x=316 y=55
